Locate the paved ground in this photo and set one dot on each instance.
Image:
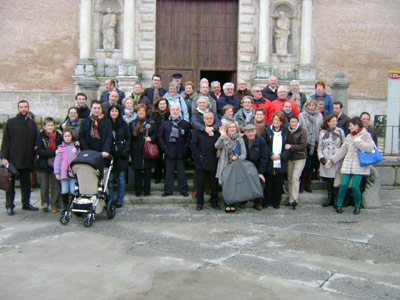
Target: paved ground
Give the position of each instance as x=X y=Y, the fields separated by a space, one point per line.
x=170 y=251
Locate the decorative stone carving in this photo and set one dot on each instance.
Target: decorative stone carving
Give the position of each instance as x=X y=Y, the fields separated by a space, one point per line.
x=109 y=30
x=281 y=34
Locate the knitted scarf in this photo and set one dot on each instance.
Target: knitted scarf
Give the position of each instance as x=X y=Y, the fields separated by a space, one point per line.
x=248 y=115
x=51 y=145
x=260 y=126
x=139 y=126
x=312 y=127
x=129 y=115
x=175 y=129
x=94 y=131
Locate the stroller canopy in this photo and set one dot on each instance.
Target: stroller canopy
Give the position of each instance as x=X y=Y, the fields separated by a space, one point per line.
x=91 y=158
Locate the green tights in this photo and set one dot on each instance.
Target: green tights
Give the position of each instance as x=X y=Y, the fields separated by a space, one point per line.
x=355 y=186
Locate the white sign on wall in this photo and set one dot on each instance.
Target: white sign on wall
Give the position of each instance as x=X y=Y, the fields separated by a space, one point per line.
x=393 y=114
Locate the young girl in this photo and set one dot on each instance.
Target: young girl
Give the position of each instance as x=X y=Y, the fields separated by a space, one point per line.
x=66 y=153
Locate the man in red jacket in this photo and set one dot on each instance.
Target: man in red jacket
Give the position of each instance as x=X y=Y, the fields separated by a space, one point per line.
x=282 y=98
x=261 y=102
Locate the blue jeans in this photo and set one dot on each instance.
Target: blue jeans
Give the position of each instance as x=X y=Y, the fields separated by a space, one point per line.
x=68 y=186
x=120 y=186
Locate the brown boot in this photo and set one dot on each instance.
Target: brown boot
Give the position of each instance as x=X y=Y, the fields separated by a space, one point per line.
x=258 y=204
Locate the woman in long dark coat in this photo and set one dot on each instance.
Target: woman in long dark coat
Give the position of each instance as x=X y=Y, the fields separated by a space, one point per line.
x=120 y=152
x=142 y=130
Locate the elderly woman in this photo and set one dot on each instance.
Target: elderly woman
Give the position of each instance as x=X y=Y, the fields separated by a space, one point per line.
x=120 y=152
x=128 y=113
x=320 y=91
x=204 y=92
x=189 y=95
x=359 y=138
x=159 y=114
x=72 y=123
x=277 y=137
x=142 y=130
x=246 y=114
x=310 y=119
x=175 y=99
x=139 y=98
x=197 y=120
x=297 y=159
x=331 y=139
x=227 y=115
x=229 y=141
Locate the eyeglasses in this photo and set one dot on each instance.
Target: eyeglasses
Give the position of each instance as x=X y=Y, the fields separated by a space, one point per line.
x=258 y=91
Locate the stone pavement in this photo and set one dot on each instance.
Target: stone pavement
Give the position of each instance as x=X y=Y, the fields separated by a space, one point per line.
x=170 y=251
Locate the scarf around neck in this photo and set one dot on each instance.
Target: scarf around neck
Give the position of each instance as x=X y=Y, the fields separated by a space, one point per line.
x=51 y=144
x=312 y=127
x=260 y=126
x=248 y=115
x=175 y=129
x=94 y=131
x=277 y=145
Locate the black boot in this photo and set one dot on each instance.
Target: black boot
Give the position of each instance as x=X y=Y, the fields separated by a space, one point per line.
x=307 y=183
x=64 y=198
x=302 y=181
x=329 y=185
x=335 y=195
x=339 y=210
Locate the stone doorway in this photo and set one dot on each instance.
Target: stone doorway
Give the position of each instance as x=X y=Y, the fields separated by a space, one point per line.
x=193 y=37
x=221 y=76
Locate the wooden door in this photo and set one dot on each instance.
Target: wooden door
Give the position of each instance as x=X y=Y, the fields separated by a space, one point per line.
x=194 y=36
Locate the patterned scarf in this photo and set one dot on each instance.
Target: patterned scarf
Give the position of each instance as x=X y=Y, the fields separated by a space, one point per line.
x=156 y=92
x=356 y=132
x=312 y=127
x=51 y=145
x=129 y=115
x=232 y=141
x=94 y=131
x=175 y=129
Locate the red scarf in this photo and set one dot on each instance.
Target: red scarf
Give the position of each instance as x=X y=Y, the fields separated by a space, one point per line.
x=356 y=132
x=51 y=145
x=94 y=132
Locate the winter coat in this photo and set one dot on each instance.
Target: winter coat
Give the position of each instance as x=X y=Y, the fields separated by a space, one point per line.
x=71 y=152
x=212 y=104
x=268 y=135
x=240 y=94
x=223 y=157
x=105 y=132
x=258 y=153
x=348 y=151
x=177 y=149
x=189 y=101
x=121 y=144
x=83 y=112
x=178 y=100
x=278 y=104
x=328 y=102
x=328 y=147
x=150 y=129
x=266 y=105
x=303 y=99
x=18 y=145
x=197 y=121
x=241 y=118
x=269 y=94
x=343 y=123
x=74 y=128
x=224 y=100
x=44 y=154
x=203 y=150
x=149 y=92
x=145 y=101
x=298 y=148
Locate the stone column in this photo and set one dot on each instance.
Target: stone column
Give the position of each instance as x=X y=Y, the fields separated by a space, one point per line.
x=339 y=86
x=129 y=30
x=306 y=72
x=89 y=86
x=263 y=69
x=85 y=40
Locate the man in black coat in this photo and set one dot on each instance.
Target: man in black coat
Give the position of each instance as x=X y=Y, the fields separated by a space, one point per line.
x=18 y=144
x=80 y=104
x=257 y=153
x=155 y=91
x=110 y=86
x=174 y=138
x=271 y=90
x=205 y=157
x=342 y=119
x=96 y=131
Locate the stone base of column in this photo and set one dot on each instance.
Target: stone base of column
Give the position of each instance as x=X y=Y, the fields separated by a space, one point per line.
x=307 y=73
x=89 y=86
x=262 y=73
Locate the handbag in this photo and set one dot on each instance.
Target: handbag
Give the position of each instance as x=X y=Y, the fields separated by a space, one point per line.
x=5 y=179
x=369 y=158
x=150 y=151
x=70 y=173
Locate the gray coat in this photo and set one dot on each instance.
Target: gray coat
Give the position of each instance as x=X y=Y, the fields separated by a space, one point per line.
x=327 y=147
x=241 y=118
x=223 y=158
x=348 y=151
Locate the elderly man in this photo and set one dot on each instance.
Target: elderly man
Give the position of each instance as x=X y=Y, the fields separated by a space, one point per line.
x=242 y=90
x=113 y=99
x=155 y=91
x=95 y=132
x=174 y=138
x=216 y=90
x=261 y=102
x=297 y=96
x=320 y=91
x=198 y=116
x=206 y=160
x=203 y=92
x=270 y=91
x=282 y=98
x=228 y=98
x=110 y=87
x=17 y=148
x=342 y=119
x=177 y=77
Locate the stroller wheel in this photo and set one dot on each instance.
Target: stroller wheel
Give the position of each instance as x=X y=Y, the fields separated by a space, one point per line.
x=64 y=219
x=111 y=209
x=88 y=220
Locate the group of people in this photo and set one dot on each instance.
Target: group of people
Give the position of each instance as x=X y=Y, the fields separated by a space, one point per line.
x=281 y=131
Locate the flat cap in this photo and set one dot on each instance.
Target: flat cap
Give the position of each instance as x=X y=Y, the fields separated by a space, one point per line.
x=177 y=75
x=249 y=127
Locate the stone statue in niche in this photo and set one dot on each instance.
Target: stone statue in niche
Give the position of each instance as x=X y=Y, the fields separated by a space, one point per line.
x=109 y=30
x=281 y=34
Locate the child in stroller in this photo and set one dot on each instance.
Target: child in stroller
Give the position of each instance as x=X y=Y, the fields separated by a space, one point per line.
x=91 y=191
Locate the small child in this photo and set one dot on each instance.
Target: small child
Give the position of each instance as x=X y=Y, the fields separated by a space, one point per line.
x=66 y=153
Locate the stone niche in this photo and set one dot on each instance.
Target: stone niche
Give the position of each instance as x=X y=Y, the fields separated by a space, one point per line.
x=284 y=62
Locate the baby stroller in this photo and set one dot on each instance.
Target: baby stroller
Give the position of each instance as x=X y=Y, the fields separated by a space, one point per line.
x=90 y=191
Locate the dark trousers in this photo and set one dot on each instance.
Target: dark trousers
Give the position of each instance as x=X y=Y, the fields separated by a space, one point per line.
x=158 y=170
x=273 y=190
x=142 y=180
x=25 y=181
x=202 y=176
x=170 y=165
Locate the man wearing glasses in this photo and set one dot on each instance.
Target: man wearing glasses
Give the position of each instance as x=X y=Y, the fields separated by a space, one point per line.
x=261 y=102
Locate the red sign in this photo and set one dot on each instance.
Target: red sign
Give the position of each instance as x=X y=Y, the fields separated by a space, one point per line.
x=394 y=74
